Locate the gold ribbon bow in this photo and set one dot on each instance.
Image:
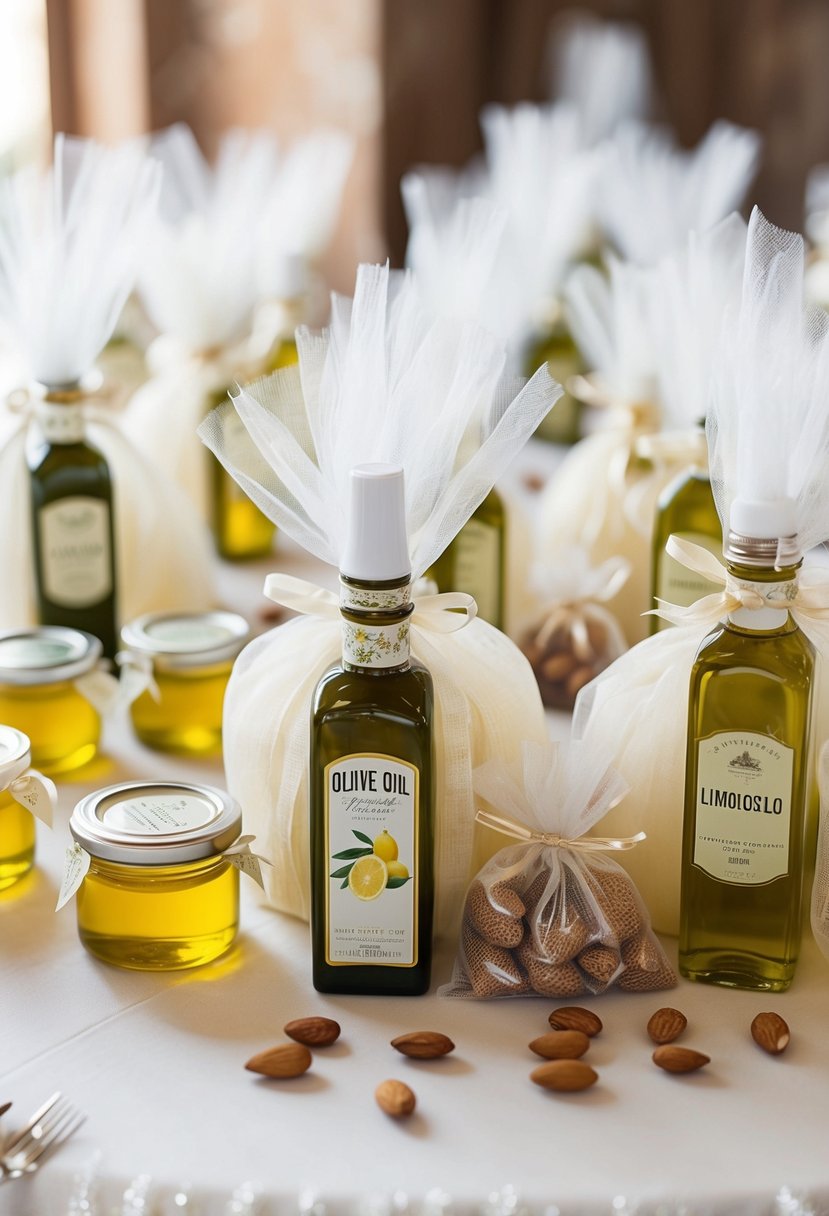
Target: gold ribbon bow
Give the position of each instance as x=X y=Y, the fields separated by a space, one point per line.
x=808 y=600
x=444 y=613
x=585 y=844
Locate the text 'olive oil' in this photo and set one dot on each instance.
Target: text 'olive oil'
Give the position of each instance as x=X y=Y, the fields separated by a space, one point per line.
x=372 y=818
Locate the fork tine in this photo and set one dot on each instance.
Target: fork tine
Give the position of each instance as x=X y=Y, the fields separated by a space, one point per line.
x=12 y=1144
x=41 y=1128
x=58 y=1136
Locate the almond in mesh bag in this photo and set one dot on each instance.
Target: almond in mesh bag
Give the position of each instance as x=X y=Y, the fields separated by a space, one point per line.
x=552 y=914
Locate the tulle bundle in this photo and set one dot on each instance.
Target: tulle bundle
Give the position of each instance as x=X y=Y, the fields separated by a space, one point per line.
x=387 y=382
x=603 y=496
x=652 y=194
x=768 y=432
x=229 y=237
x=603 y=69
x=71 y=241
x=553 y=914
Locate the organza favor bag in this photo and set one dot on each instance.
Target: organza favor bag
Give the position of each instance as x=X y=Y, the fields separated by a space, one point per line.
x=388 y=382
x=554 y=915
x=574 y=636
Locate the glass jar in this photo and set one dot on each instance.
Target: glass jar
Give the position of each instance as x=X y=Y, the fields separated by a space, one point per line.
x=41 y=678
x=192 y=656
x=17 y=825
x=159 y=893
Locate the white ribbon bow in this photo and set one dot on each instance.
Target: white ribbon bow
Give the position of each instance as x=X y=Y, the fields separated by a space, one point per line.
x=808 y=601
x=445 y=613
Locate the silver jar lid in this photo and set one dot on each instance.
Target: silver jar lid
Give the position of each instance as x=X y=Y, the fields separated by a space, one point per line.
x=187 y=639
x=156 y=823
x=46 y=654
x=15 y=754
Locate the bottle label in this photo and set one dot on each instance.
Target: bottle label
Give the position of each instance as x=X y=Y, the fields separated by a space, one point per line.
x=76 y=556
x=477 y=553
x=159 y=815
x=372 y=807
x=677 y=584
x=744 y=807
x=61 y=422
x=376 y=645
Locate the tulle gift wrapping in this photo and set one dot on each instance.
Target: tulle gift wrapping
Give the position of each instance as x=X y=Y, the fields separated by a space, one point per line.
x=163 y=560
x=486 y=702
x=554 y=914
x=603 y=498
x=164 y=414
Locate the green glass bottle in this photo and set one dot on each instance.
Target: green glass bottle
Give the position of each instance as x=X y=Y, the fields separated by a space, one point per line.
x=241 y=531
x=475 y=561
x=557 y=349
x=685 y=509
x=371 y=777
x=746 y=783
x=72 y=520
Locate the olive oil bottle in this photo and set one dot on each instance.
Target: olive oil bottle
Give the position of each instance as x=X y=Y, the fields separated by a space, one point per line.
x=685 y=509
x=241 y=531
x=557 y=349
x=475 y=561
x=371 y=792
x=72 y=520
x=746 y=780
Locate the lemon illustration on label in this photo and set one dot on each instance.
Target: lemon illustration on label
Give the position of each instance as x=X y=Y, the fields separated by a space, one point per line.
x=397 y=869
x=367 y=877
x=385 y=846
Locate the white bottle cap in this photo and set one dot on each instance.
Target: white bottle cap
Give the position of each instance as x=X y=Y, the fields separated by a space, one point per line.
x=376 y=546
x=764 y=520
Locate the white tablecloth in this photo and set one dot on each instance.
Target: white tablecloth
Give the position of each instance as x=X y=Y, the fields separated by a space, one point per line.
x=175 y=1123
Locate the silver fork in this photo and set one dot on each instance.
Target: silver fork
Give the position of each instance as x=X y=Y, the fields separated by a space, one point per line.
x=48 y=1127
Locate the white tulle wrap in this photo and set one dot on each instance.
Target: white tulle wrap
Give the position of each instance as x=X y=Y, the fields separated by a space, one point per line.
x=199 y=282
x=603 y=495
x=387 y=382
x=652 y=194
x=70 y=244
x=601 y=67
x=760 y=448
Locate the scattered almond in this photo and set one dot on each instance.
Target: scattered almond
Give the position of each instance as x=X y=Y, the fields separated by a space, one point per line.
x=287 y=1060
x=679 y=1059
x=313 y=1032
x=423 y=1044
x=564 y=1076
x=770 y=1032
x=395 y=1098
x=666 y=1025
x=573 y=1017
x=561 y=1044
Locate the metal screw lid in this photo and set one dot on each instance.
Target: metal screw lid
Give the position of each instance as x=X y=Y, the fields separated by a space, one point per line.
x=46 y=654
x=187 y=639
x=160 y=823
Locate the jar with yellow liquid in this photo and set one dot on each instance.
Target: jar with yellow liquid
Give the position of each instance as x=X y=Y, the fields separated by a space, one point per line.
x=156 y=879
x=42 y=675
x=191 y=656
x=17 y=825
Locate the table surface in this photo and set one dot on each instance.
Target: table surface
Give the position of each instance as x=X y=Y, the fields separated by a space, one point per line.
x=175 y=1123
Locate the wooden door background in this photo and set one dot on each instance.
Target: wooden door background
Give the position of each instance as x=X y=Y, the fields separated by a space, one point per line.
x=408 y=78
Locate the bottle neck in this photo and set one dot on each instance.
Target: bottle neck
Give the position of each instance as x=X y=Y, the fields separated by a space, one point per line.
x=60 y=415
x=375 y=624
x=777 y=588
